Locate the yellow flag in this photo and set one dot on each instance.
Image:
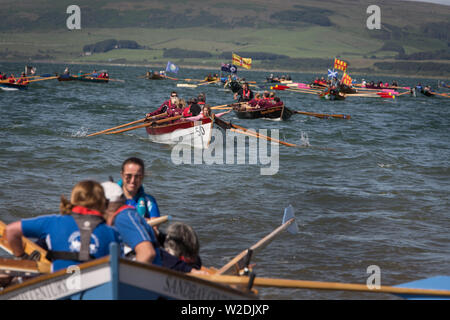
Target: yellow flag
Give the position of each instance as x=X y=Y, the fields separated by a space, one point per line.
x=243 y=62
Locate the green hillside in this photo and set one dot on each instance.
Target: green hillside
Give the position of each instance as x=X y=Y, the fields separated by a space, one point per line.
x=36 y=30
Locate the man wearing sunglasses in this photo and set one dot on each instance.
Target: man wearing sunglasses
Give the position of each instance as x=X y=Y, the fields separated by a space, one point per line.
x=132 y=174
x=167 y=106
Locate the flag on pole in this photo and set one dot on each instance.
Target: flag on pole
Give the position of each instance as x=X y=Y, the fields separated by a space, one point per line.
x=171 y=67
x=227 y=67
x=332 y=73
x=243 y=62
x=346 y=79
x=340 y=65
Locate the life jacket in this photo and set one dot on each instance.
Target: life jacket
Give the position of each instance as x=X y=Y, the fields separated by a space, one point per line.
x=87 y=220
x=186 y=112
x=12 y=80
x=246 y=94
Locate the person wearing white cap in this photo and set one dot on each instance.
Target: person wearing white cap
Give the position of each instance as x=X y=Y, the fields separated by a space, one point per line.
x=133 y=228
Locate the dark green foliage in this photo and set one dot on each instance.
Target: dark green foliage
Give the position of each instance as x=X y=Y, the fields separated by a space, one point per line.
x=110 y=44
x=414 y=67
x=308 y=16
x=182 y=53
x=427 y=55
x=436 y=30
x=254 y=55
x=393 y=46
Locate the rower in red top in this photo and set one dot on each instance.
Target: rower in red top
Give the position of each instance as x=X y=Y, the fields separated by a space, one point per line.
x=23 y=79
x=11 y=79
x=165 y=106
x=245 y=93
x=193 y=109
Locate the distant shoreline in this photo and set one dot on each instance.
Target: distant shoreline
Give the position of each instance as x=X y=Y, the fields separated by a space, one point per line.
x=202 y=67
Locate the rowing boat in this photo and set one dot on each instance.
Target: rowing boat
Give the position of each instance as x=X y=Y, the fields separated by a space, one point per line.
x=193 y=133
x=279 y=112
x=12 y=86
x=66 y=77
x=114 y=278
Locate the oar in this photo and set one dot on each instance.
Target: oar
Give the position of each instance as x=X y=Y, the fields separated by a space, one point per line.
x=323 y=115
x=226 y=106
x=123 y=125
x=208 y=82
x=157 y=221
x=48 y=78
x=237 y=263
x=235 y=128
x=114 y=80
x=295 y=90
x=146 y=125
x=29 y=248
x=319 y=285
x=19 y=268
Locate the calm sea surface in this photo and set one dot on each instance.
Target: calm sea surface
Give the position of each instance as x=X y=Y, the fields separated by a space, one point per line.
x=380 y=197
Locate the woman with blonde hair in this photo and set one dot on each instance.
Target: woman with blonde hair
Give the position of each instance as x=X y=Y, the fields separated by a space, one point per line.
x=79 y=234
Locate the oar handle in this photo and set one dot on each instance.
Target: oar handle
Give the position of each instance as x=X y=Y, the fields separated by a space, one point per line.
x=323 y=115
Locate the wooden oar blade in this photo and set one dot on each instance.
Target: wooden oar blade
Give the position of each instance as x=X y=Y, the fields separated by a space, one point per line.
x=288 y=215
x=14 y=267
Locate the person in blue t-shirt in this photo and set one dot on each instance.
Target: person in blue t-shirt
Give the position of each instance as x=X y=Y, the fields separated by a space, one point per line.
x=69 y=244
x=134 y=229
x=132 y=174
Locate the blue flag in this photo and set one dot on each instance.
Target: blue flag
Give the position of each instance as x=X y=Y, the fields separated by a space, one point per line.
x=332 y=74
x=171 y=67
x=228 y=68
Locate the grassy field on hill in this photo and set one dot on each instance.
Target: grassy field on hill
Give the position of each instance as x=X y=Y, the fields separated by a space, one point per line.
x=36 y=30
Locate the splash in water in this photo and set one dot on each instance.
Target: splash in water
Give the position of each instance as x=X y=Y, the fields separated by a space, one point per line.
x=82 y=132
x=304 y=139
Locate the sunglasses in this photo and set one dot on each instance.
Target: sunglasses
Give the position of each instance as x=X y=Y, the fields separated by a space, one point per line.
x=128 y=176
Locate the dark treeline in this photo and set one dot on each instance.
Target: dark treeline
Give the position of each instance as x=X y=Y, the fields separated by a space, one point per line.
x=185 y=54
x=426 y=55
x=110 y=44
x=406 y=67
x=254 y=55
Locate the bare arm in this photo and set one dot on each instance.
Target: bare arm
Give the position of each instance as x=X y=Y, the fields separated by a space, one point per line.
x=14 y=237
x=145 y=252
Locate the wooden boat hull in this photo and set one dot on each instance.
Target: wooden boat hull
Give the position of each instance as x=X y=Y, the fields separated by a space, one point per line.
x=92 y=79
x=155 y=77
x=281 y=113
x=65 y=77
x=85 y=79
x=13 y=86
x=193 y=133
x=114 y=278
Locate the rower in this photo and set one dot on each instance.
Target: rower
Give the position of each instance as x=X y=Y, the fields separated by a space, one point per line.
x=181 y=249
x=11 y=79
x=132 y=174
x=193 y=109
x=23 y=79
x=245 y=93
x=79 y=234
x=134 y=230
x=166 y=105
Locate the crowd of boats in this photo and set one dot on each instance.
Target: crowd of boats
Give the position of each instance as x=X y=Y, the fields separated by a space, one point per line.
x=117 y=277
